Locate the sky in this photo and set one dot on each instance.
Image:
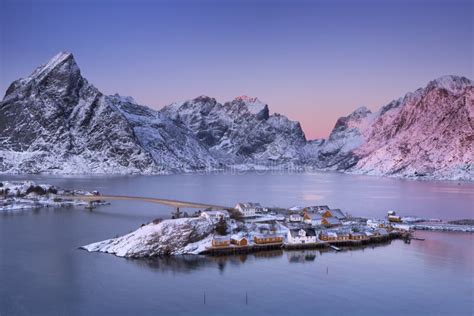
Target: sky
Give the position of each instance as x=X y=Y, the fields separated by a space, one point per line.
x=312 y=61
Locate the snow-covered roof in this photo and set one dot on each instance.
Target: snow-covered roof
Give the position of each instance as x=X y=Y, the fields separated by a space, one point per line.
x=332 y=220
x=248 y=205
x=296 y=208
x=314 y=216
x=216 y=213
x=221 y=238
x=329 y=233
x=308 y=232
x=337 y=213
x=318 y=208
x=238 y=236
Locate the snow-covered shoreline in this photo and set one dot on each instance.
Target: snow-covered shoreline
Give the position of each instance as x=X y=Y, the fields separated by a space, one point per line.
x=23 y=195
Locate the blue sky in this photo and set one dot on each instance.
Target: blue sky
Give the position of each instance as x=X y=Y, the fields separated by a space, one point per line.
x=310 y=60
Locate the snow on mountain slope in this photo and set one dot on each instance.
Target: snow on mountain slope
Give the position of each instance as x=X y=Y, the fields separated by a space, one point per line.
x=240 y=131
x=54 y=121
x=170 y=146
x=426 y=133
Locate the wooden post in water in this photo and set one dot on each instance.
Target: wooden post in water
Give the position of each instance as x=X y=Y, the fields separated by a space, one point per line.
x=246 y=298
x=204 y=297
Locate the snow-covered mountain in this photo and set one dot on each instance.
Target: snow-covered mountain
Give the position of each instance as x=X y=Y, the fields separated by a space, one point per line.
x=427 y=133
x=54 y=121
x=240 y=131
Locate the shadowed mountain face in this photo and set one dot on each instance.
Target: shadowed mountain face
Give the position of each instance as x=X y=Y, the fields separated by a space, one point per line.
x=54 y=121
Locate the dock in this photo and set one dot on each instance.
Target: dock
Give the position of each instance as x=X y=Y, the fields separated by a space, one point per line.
x=335 y=248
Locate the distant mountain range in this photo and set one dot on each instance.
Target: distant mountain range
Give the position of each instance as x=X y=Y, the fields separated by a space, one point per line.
x=55 y=121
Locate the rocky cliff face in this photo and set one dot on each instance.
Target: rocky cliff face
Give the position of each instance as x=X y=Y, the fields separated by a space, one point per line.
x=427 y=133
x=54 y=121
x=240 y=131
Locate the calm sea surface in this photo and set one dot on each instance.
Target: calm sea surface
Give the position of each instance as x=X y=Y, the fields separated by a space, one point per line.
x=43 y=273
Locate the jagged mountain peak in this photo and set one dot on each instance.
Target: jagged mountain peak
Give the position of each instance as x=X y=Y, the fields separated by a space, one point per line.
x=253 y=105
x=54 y=121
x=452 y=83
x=57 y=61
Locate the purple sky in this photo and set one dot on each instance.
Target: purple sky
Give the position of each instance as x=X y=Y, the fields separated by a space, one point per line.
x=313 y=61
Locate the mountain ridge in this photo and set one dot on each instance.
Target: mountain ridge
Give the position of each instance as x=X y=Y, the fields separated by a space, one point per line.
x=55 y=121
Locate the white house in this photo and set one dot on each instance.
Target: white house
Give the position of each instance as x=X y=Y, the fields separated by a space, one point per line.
x=301 y=236
x=250 y=209
x=295 y=218
x=215 y=215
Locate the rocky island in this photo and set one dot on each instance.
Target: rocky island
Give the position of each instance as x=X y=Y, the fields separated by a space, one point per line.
x=250 y=227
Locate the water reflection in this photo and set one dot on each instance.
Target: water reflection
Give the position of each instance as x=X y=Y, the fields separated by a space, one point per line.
x=194 y=263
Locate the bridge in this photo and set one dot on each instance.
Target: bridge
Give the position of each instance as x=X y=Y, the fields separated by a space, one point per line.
x=174 y=203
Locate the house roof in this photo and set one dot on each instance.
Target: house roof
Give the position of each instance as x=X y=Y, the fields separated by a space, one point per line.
x=318 y=208
x=221 y=238
x=329 y=234
x=238 y=237
x=216 y=213
x=249 y=205
x=268 y=235
x=296 y=232
x=296 y=208
x=332 y=220
x=382 y=231
x=337 y=213
x=314 y=216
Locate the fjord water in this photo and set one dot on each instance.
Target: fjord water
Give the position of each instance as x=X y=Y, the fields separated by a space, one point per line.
x=42 y=271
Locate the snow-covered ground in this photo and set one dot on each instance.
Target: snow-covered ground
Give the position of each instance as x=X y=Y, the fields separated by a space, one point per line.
x=21 y=195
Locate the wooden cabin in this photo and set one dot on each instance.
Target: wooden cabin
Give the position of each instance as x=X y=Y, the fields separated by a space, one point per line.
x=358 y=236
x=328 y=236
x=218 y=242
x=343 y=236
x=239 y=241
x=268 y=239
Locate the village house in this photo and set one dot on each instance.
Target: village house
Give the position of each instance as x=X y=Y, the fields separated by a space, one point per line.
x=358 y=236
x=341 y=235
x=215 y=215
x=301 y=236
x=374 y=223
x=239 y=240
x=250 y=209
x=295 y=218
x=381 y=232
x=393 y=217
x=265 y=239
x=220 y=241
x=312 y=218
x=330 y=221
x=328 y=236
x=368 y=234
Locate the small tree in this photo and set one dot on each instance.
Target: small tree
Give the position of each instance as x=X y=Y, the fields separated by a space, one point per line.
x=221 y=226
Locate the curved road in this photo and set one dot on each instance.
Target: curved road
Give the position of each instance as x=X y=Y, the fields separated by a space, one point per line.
x=174 y=203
